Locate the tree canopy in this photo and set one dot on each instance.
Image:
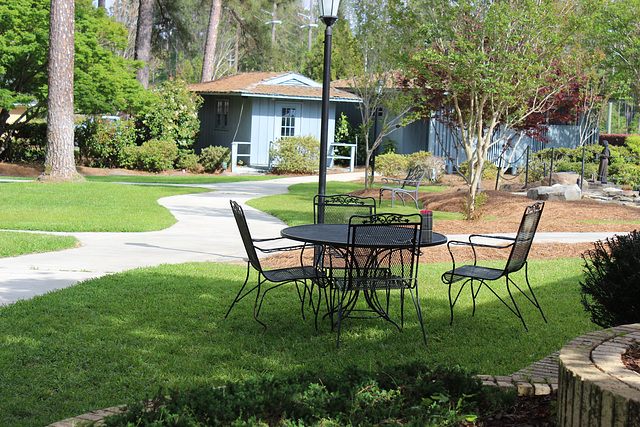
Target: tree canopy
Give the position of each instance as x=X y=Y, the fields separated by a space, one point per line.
x=104 y=82
x=488 y=66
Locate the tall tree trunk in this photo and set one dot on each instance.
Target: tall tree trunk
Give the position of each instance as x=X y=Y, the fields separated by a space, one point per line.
x=59 y=162
x=102 y=4
x=143 y=40
x=235 y=49
x=212 y=40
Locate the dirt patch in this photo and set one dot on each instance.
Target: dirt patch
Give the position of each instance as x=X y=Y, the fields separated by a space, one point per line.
x=502 y=213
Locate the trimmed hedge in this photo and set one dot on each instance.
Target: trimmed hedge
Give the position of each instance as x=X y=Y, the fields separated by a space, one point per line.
x=295 y=154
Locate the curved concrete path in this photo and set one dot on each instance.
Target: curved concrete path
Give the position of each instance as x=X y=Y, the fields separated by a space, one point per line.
x=205 y=231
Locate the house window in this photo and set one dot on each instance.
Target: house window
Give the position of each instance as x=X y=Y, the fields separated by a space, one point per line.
x=288 y=123
x=222 y=114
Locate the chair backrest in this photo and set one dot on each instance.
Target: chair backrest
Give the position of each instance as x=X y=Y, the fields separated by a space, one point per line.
x=414 y=177
x=383 y=250
x=245 y=234
x=524 y=238
x=339 y=208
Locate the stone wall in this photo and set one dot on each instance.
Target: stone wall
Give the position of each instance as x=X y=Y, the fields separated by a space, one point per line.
x=594 y=387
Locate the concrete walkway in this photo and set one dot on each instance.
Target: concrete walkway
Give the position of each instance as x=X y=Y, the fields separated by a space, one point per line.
x=205 y=231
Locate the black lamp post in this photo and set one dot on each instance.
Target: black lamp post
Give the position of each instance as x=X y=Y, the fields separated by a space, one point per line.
x=328 y=15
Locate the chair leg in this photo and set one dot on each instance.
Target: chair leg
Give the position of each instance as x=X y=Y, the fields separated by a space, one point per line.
x=516 y=311
x=256 y=306
x=533 y=295
x=240 y=296
x=339 y=324
x=416 y=303
x=474 y=295
x=452 y=302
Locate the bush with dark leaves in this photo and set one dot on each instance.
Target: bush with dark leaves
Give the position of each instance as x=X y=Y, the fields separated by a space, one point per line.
x=611 y=286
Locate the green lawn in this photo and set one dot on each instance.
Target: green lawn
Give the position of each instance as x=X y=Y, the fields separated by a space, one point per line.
x=85 y=206
x=296 y=207
x=119 y=338
x=14 y=243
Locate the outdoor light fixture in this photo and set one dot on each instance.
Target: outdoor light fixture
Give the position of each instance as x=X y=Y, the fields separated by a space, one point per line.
x=329 y=10
x=328 y=15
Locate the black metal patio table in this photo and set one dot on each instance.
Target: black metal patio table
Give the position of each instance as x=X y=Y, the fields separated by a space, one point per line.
x=337 y=236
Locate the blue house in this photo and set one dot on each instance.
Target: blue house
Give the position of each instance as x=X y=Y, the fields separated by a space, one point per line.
x=246 y=112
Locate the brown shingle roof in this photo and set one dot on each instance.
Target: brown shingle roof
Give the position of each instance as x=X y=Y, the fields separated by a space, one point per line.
x=266 y=84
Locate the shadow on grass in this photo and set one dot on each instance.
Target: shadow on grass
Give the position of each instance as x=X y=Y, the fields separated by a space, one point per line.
x=107 y=341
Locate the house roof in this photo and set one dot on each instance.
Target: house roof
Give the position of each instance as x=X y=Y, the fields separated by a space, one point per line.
x=272 y=85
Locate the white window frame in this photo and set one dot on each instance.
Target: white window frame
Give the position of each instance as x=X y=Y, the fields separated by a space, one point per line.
x=287 y=126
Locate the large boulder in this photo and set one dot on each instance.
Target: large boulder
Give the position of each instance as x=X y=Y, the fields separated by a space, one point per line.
x=555 y=192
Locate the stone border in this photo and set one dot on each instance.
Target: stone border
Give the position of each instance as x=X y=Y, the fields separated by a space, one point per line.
x=540 y=378
x=595 y=388
x=93 y=418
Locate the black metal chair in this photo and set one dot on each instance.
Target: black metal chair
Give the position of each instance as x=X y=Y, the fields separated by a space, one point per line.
x=402 y=186
x=297 y=275
x=520 y=246
x=338 y=208
x=382 y=255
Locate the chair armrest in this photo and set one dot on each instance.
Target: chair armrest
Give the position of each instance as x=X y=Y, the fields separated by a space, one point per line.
x=486 y=236
x=392 y=181
x=277 y=249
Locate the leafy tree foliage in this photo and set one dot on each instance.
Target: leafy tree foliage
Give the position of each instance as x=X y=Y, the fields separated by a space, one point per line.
x=488 y=66
x=616 y=33
x=384 y=106
x=346 y=58
x=173 y=117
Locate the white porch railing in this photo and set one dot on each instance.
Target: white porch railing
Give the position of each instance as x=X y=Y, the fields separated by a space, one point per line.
x=332 y=156
x=235 y=154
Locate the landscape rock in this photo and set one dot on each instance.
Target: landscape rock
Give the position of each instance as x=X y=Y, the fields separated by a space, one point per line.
x=562 y=178
x=555 y=192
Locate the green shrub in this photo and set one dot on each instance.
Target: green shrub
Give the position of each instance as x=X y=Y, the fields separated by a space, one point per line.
x=576 y=167
x=27 y=144
x=101 y=142
x=633 y=143
x=173 y=117
x=610 y=291
x=152 y=156
x=429 y=162
x=389 y=146
x=211 y=157
x=295 y=154
x=346 y=134
x=627 y=174
x=489 y=172
x=409 y=394
x=188 y=161
x=392 y=164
